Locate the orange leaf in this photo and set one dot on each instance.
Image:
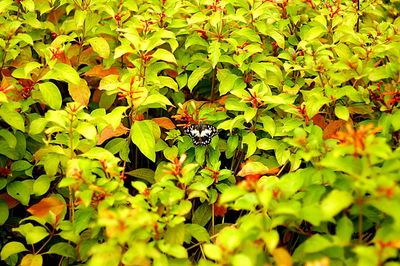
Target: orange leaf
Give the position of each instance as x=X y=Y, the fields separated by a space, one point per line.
x=96 y=96
x=332 y=128
x=6 y=86
x=319 y=120
x=164 y=122
x=108 y=132
x=11 y=202
x=80 y=93
x=46 y=205
x=282 y=257
x=100 y=72
x=222 y=100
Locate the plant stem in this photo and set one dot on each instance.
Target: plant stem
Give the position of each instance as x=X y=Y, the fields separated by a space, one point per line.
x=360 y=218
x=213 y=85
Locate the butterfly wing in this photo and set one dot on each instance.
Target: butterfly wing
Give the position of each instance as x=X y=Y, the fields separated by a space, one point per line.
x=201 y=134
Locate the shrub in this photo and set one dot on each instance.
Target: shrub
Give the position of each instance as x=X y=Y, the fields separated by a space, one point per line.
x=95 y=98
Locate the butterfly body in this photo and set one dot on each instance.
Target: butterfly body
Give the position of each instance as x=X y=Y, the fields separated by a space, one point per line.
x=201 y=134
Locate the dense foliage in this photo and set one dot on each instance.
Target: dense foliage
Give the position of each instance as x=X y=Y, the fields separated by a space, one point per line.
x=95 y=96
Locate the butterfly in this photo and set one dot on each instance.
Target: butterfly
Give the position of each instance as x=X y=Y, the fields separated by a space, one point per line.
x=201 y=134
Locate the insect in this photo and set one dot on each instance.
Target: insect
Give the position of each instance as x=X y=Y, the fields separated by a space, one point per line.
x=201 y=134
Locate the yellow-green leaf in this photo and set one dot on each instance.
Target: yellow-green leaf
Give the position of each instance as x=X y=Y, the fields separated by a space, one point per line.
x=100 y=46
x=51 y=95
x=142 y=136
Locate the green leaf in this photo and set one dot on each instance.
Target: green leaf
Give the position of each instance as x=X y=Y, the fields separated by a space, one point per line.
x=250 y=139
x=87 y=130
x=214 y=52
x=342 y=112
x=24 y=72
x=142 y=173
x=231 y=194
x=196 y=76
x=202 y=214
x=100 y=46
x=20 y=165
x=13 y=118
x=99 y=153
x=51 y=95
x=268 y=125
x=247 y=34
x=156 y=100
x=229 y=81
x=198 y=232
x=396 y=120
x=335 y=202
x=5 y=4
x=170 y=153
x=267 y=144
x=10 y=139
x=309 y=34
x=41 y=185
x=271 y=240
x=19 y=191
x=37 y=126
x=379 y=73
x=63 y=72
x=142 y=136
x=212 y=251
x=11 y=248
x=174 y=250
x=164 y=55
x=62 y=249
x=344 y=229
x=3 y=212
x=116 y=116
x=32 y=234
x=316 y=243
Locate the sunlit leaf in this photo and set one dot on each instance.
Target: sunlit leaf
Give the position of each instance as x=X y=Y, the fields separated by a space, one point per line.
x=32 y=260
x=47 y=205
x=51 y=95
x=143 y=137
x=80 y=93
x=11 y=248
x=100 y=46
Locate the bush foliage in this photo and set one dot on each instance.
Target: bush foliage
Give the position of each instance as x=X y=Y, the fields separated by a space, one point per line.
x=95 y=168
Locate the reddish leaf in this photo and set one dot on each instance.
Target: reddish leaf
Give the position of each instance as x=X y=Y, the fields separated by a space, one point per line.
x=139 y=117
x=55 y=15
x=319 y=120
x=109 y=132
x=96 y=96
x=219 y=210
x=42 y=209
x=100 y=72
x=171 y=73
x=11 y=202
x=332 y=128
x=164 y=122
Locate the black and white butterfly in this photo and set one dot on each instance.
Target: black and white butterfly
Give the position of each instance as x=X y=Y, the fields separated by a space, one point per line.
x=201 y=134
